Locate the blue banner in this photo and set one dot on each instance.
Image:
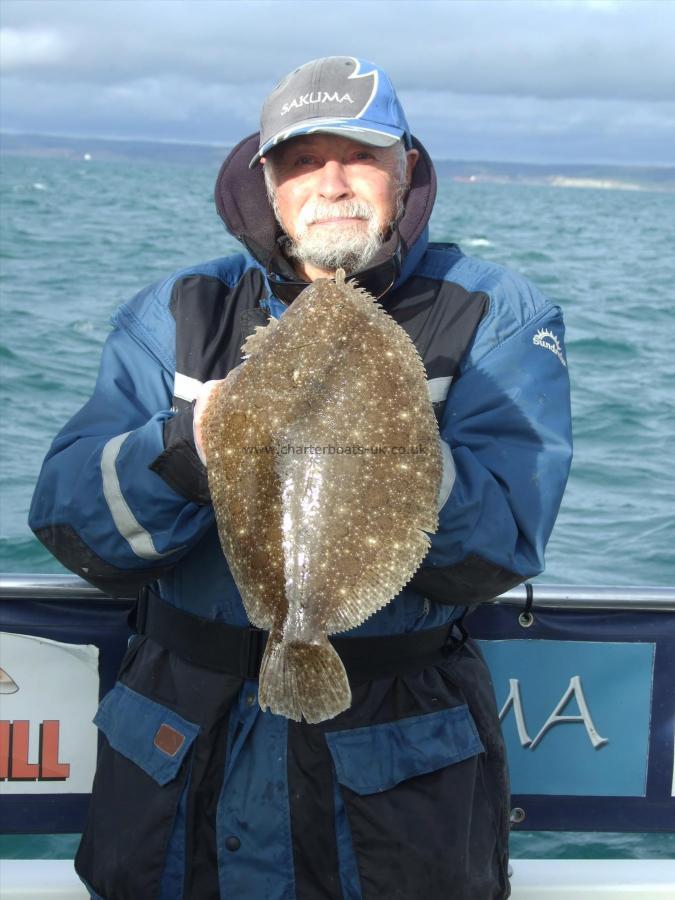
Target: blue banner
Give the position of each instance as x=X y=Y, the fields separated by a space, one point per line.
x=587 y=703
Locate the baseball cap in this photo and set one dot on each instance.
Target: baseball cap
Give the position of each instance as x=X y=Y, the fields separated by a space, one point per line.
x=340 y=95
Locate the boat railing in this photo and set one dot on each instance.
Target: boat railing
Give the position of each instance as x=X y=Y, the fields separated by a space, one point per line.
x=543 y=596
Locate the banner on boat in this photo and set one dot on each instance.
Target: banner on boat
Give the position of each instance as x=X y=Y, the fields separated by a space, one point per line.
x=586 y=702
x=58 y=657
x=582 y=727
x=48 y=697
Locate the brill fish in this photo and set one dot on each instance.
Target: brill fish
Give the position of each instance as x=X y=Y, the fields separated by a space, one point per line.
x=324 y=466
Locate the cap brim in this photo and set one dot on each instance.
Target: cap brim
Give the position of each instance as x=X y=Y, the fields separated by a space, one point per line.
x=376 y=135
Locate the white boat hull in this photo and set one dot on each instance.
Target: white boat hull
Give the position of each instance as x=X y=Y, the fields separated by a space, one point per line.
x=533 y=879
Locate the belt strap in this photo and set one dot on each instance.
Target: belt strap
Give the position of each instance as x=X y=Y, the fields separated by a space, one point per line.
x=238 y=651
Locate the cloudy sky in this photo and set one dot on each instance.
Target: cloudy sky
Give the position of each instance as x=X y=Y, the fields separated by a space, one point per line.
x=521 y=80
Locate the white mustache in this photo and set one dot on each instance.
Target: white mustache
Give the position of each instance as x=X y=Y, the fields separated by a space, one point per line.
x=317 y=211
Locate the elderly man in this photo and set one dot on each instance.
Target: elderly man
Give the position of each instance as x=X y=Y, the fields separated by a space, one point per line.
x=198 y=793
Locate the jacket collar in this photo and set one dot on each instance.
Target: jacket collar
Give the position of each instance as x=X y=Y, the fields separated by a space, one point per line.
x=242 y=204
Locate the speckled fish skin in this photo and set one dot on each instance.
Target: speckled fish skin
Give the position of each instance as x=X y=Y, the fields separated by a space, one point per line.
x=324 y=467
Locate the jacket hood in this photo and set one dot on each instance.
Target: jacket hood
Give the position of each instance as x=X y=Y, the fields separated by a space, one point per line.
x=242 y=204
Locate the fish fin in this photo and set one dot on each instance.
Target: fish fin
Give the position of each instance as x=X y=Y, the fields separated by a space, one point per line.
x=299 y=680
x=400 y=340
x=427 y=520
x=377 y=584
x=260 y=604
x=256 y=341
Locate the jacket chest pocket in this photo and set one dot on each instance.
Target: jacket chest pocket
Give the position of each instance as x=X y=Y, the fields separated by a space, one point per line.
x=412 y=819
x=137 y=810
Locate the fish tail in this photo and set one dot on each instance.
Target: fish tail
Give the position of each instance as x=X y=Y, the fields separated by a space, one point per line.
x=303 y=680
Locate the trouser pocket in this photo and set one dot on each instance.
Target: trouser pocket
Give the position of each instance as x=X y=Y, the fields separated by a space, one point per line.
x=411 y=795
x=136 y=808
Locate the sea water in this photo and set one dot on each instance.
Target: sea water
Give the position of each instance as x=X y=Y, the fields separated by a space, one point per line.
x=80 y=237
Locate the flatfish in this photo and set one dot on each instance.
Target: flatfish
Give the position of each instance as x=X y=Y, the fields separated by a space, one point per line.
x=324 y=467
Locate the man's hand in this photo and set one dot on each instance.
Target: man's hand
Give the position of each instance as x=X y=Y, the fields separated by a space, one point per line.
x=201 y=403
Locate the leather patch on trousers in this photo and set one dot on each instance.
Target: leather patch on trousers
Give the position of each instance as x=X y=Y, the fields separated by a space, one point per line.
x=168 y=740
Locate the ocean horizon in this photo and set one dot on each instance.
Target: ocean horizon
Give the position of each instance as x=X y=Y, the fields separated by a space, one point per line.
x=589 y=175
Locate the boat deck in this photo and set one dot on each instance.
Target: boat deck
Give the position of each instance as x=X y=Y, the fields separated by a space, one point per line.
x=533 y=879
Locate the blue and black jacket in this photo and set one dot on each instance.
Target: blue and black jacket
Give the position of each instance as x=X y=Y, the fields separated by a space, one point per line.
x=406 y=793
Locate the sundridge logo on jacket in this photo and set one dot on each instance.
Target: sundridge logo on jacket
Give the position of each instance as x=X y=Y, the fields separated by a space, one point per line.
x=346 y=93
x=546 y=338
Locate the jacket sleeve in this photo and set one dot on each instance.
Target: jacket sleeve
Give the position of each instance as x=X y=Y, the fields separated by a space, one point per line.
x=98 y=506
x=507 y=438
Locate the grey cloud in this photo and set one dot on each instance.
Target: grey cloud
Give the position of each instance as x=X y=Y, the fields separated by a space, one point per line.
x=165 y=109
x=493 y=80
x=451 y=125
x=556 y=49
x=510 y=128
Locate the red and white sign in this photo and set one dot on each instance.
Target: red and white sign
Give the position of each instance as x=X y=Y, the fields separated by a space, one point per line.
x=48 y=698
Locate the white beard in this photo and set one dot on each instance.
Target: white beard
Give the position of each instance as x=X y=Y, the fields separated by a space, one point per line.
x=349 y=246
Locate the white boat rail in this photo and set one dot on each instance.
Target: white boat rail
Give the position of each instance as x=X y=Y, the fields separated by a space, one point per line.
x=544 y=596
x=532 y=879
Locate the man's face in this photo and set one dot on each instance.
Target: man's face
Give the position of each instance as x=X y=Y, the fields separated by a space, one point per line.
x=336 y=198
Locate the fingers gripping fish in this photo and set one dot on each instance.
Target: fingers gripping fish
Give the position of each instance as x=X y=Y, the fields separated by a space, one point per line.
x=324 y=467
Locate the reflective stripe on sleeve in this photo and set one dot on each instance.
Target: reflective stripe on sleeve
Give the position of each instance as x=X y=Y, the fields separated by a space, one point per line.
x=186 y=388
x=448 y=478
x=438 y=388
x=125 y=521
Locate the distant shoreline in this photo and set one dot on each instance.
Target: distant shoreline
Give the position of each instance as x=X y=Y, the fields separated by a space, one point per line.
x=561 y=175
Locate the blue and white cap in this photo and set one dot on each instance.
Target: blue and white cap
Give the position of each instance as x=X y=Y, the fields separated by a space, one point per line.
x=340 y=95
